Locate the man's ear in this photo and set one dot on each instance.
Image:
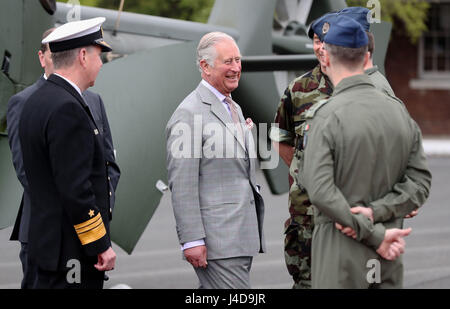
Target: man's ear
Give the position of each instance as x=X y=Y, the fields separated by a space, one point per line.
x=41 y=58
x=82 y=56
x=205 y=67
x=367 y=57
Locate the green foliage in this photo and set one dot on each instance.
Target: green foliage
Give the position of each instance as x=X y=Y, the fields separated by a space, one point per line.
x=194 y=10
x=412 y=14
x=86 y=2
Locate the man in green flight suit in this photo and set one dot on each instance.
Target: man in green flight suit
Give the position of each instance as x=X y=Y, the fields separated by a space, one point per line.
x=361 y=150
x=287 y=137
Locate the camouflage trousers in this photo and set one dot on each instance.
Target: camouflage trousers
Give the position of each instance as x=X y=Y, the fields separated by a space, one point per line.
x=297 y=250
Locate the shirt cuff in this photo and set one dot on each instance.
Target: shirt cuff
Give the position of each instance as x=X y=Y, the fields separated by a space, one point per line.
x=378 y=212
x=279 y=135
x=377 y=236
x=192 y=244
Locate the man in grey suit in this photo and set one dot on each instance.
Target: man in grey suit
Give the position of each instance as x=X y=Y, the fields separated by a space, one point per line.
x=211 y=172
x=15 y=106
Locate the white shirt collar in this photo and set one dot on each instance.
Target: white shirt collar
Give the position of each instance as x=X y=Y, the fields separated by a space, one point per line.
x=219 y=95
x=216 y=92
x=72 y=83
x=45 y=76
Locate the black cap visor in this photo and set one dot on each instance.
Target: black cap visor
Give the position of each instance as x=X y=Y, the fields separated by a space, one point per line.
x=95 y=38
x=103 y=45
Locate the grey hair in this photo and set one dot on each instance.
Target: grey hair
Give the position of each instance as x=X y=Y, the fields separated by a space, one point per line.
x=206 y=50
x=66 y=58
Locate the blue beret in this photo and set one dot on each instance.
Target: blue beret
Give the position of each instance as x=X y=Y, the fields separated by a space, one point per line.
x=317 y=25
x=357 y=13
x=345 y=31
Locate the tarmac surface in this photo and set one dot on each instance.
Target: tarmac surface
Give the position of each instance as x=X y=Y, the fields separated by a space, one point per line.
x=156 y=262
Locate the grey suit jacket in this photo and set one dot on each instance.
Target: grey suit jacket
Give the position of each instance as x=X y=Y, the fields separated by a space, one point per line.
x=212 y=179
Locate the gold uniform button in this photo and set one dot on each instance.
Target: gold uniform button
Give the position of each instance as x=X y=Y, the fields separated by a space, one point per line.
x=110 y=194
x=110 y=210
x=109 y=178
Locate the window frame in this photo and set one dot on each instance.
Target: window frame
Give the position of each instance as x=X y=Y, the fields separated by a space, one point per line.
x=433 y=74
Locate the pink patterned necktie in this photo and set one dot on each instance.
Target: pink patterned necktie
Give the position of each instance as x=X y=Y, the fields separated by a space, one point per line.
x=234 y=115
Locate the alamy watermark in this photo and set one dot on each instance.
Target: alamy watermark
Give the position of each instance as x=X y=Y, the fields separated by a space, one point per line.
x=374 y=15
x=213 y=140
x=74 y=14
x=374 y=273
x=74 y=272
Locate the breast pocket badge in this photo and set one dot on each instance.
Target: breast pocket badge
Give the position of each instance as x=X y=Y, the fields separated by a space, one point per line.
x=305 y=136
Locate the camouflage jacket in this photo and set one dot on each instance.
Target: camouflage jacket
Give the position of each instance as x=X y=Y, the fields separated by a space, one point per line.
x=302 y=93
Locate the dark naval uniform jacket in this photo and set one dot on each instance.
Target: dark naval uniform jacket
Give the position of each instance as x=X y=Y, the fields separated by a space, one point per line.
x=15 y=106
x=65 y=165
x=97 y=108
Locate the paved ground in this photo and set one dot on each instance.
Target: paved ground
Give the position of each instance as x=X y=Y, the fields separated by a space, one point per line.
x=156 y=262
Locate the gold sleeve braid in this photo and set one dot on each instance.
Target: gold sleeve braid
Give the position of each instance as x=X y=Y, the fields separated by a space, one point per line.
x=90 y=230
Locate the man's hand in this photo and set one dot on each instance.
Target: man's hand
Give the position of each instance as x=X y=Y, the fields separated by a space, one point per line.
x=348 y=231
x=412 y=214
x=366 y=211
x=106 y=260
x=393 y=244
x=285 y=151
x=196 y=256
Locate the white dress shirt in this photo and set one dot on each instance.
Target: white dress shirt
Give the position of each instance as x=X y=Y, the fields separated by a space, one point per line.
x=219 y=95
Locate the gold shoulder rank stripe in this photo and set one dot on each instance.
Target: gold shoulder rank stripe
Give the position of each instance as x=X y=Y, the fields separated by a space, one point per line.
x=90 y=230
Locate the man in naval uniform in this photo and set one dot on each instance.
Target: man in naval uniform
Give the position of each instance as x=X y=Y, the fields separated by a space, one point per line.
x=15 y=106
x=65 y=165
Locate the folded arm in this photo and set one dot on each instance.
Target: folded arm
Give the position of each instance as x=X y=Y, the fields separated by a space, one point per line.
x=412 y=192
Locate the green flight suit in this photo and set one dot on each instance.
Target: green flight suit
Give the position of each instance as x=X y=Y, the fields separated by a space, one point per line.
x=301 y=94
x=361 y=148
x=379 y=80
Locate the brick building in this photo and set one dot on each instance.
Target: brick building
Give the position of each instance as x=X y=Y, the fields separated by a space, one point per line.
x=420 y=74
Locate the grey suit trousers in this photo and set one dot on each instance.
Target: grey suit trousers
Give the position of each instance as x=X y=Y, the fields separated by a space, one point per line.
x=232 y=273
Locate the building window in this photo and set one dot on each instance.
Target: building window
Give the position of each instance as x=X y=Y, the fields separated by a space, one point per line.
x=435 y=44
x=434 y=50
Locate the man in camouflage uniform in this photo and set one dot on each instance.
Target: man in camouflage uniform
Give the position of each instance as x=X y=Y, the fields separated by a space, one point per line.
x=301 y=94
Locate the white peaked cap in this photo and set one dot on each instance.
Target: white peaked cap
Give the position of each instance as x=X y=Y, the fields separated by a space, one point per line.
x=77 y=34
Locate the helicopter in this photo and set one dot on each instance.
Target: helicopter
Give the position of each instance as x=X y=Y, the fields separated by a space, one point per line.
x=149 y=72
